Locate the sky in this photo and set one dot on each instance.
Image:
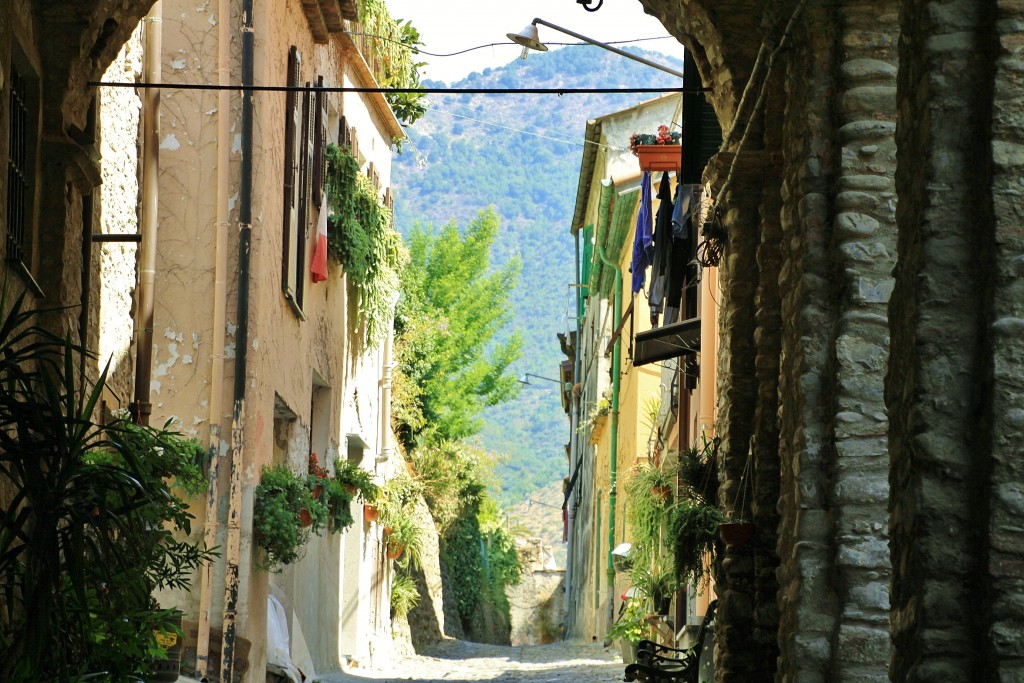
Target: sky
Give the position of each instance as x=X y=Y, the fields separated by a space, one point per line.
x=448 y=26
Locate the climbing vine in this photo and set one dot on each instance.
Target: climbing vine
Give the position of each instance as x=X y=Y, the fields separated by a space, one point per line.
x=392 y=45
x=364 y=240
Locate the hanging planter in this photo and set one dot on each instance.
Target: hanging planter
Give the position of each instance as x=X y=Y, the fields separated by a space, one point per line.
x=666 y=158
x=370 y=512
x=395 y=550
x=736 y=534
x=661 y=151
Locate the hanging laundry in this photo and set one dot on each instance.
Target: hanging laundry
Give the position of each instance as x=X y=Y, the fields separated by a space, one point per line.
x=663 y=243
x=643 y=240
x=318 y=267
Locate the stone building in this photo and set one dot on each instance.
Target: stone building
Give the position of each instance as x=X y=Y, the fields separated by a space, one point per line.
x=867 y=207
x=131 y=211
x=313 y=381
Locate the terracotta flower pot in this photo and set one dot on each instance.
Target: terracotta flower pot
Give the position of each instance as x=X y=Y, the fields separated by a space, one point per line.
x=736 y=533
x=661 y=493
x=370 y=512
x=395 y=550
x=660 y=157
x=305 y=517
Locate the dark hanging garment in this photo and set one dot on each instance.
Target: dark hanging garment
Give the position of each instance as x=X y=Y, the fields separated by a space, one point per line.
x=682 y=267
x=643 y=241
x=663 y=244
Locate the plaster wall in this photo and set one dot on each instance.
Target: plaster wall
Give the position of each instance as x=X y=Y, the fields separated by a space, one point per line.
x=308 y=386
x=114 y=263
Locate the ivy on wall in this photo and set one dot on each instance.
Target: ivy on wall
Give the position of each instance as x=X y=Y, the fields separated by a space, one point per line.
x=392 y=45
x=364 y=240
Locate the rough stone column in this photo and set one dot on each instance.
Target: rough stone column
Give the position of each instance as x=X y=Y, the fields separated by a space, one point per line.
x=1006 y=545
x=939 y=389
x=864 y=243
x=806 y=600
x=764 y=446
x=736 y=658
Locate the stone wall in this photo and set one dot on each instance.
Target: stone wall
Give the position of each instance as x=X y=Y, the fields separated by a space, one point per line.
x=952 y=486
x=536 y=603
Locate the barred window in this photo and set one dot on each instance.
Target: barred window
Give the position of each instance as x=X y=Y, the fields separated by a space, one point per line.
x=18 y=174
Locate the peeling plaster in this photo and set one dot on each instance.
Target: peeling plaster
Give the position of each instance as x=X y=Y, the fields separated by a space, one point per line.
x=229 y=351
x=256 y=344
x=172 y=358
x=232 y=200
x=170 y=143
x=236 y=144
x=174 y=336
x=178 y=64
x=186 y=359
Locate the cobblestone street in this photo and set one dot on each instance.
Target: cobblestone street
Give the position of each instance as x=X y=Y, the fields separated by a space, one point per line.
x=455 y=660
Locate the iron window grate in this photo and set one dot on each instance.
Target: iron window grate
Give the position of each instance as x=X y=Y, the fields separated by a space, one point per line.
x=17 y=167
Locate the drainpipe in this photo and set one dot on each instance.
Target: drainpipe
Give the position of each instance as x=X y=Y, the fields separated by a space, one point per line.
x=211 y=525
x=141 y=406
x=573 y=445
x=708 y=359
x=385 y=398
x=237 y=464
x=602 y=218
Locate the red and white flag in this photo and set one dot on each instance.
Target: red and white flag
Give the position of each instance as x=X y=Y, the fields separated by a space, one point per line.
x=318 y=269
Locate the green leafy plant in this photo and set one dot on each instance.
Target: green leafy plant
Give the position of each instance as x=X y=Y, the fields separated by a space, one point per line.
x=90 y=523
x=657 y=581
x=403 y=532
x=630 y=625
x=364 y=240
x=281 y=499
x=664 y=136
x=349 y=474
x=693 y=531
x=404 y=595
x=390 y=48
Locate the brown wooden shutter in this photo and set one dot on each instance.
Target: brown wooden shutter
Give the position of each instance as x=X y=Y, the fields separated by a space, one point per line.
x=319 y=143
x=290 y=280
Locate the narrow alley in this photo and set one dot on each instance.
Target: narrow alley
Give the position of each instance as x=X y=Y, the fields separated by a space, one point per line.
x=456 y=660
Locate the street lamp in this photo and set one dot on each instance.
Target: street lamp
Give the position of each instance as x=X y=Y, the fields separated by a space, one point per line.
x=525 y=379
x=529 y=38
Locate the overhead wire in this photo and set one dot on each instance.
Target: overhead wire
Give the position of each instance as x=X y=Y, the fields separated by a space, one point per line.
x=418 y=50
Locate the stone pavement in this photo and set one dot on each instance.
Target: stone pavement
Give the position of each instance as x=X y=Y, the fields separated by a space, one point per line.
x=456 y=660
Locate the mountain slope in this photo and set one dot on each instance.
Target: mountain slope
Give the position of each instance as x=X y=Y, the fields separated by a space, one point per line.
x=521 y=154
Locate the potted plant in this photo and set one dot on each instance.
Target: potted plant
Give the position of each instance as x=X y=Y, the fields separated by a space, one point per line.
x=282 y=499
x=403 y=536
x=404 y=595
x=657 y=581
x=597 y=418
x=629 y=629
x=659 y=151
x=96 y=518
x=359 y=484
x=693 y=530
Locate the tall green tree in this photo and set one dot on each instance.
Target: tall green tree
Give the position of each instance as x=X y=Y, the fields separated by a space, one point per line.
x=452 y=309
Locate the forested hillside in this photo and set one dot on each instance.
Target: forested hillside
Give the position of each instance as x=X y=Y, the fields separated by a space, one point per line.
x=521 y=154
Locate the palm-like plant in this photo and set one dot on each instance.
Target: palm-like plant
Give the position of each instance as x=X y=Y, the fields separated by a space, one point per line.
x=89 y=521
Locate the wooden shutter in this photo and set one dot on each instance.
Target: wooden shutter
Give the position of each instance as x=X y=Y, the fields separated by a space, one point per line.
x=319 y=143
x=290 y=279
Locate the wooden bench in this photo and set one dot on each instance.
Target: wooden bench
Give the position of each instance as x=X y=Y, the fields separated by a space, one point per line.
x=656 y=663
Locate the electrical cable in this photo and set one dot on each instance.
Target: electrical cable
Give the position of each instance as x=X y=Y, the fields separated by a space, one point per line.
x=420 y=51
x=413 y=91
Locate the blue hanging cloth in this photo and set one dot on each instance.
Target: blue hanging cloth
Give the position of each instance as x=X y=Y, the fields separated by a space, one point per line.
x=643 y=241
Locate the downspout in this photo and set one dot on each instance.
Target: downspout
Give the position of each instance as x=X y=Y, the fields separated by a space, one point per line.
x=211 y=525
x=602 y=218
x=141 y=406
x=234 y=526
x=386 y=447
x=573 y=445
x=708 y=376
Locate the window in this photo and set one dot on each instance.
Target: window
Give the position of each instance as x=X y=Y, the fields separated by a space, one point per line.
x=22 y=142
x=293 y=261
